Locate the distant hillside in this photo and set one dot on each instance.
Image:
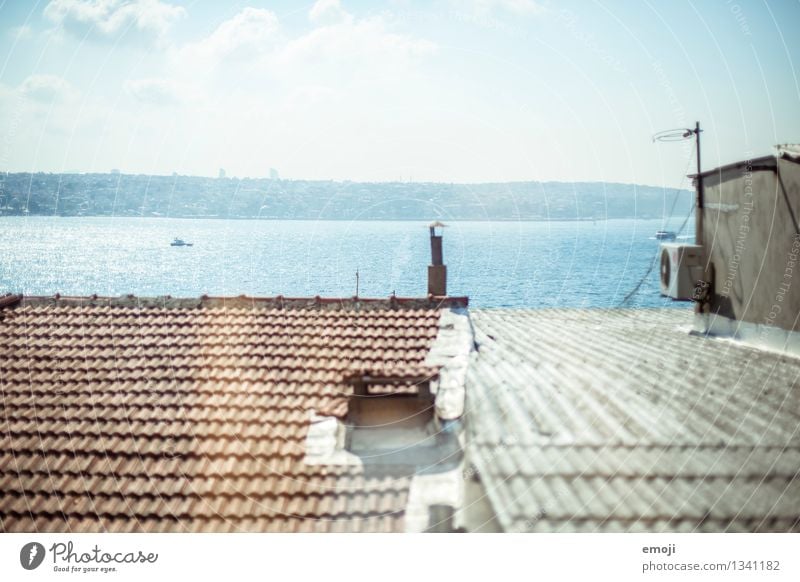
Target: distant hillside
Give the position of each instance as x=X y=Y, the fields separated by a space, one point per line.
x=191 y=196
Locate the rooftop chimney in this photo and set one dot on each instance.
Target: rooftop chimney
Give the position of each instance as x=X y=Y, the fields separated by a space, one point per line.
x=437 y=271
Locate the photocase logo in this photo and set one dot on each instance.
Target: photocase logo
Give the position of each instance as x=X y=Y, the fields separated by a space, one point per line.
x=31 y=555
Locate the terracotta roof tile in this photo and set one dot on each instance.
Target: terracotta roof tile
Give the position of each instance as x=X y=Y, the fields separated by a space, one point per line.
x=126 y=415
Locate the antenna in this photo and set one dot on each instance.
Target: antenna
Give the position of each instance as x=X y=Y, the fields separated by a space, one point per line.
x=668 y=135
x=681 y=134
x=356 y=281
x=671 y=135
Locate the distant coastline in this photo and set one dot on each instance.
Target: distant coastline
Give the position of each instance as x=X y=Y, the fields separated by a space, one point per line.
x=135 y=196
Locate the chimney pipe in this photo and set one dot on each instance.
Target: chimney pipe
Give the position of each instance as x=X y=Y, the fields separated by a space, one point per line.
x=440 y=519
x=437 y=271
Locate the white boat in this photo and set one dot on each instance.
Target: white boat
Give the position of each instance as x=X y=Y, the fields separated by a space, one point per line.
x=665 y=235
x=178 y=242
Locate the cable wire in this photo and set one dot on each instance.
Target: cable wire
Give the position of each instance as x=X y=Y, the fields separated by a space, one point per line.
x=638 y=286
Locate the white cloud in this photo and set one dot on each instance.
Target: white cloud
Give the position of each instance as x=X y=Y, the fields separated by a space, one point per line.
x=46 y=88
x=487 y=7
x=22 y=32
x=248 y=34
x=518 y=6
x=156 y=91
x=109 y=18
x=366 y=40
x=252 y=93
x=334 y=49
x=311 y=96
x=327 y=12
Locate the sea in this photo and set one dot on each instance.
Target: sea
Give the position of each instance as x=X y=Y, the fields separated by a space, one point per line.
x=496 y=264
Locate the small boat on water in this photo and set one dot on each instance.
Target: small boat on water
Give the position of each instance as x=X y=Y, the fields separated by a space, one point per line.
x=179 y=242
x=665 y=235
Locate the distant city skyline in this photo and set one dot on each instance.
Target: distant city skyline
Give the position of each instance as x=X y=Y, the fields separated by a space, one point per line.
x=468 y=91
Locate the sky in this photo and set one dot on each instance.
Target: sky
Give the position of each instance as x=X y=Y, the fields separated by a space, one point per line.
x=442 y=91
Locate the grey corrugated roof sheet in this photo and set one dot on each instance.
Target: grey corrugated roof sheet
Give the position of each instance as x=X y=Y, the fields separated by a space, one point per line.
x=620 y=420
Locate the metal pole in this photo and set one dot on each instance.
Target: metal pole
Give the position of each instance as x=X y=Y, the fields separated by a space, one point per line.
x=698 y=218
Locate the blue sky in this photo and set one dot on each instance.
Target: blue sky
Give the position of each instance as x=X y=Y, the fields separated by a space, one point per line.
x=449 y=91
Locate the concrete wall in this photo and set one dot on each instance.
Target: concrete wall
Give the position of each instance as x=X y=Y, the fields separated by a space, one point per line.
x=476 y=514
x=751 y=241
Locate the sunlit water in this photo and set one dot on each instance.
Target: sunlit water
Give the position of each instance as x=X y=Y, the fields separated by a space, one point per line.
x=497 y=264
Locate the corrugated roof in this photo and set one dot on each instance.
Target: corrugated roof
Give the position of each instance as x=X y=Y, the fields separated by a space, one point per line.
x=620 y=420
x=191 y=415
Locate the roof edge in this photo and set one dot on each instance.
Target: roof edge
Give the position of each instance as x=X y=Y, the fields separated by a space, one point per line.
x=240 y=301
x=762 y=163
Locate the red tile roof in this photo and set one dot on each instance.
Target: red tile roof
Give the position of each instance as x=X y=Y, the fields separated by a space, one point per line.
x=191 y=415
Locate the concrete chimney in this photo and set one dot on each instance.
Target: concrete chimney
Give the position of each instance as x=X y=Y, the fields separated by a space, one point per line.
x=437 y=271
x=440 y=519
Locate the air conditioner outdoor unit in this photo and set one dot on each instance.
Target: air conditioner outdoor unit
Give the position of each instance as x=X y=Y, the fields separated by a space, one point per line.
x=681 y=268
